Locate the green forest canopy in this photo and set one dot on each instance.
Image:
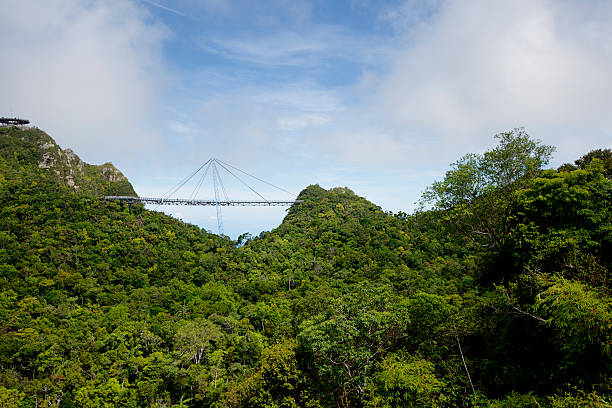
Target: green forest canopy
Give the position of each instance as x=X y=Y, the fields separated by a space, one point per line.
x=496 y=294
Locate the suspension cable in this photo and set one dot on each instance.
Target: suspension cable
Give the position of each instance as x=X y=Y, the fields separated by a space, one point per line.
x=239 y=179
x=256 y=178
x=199 y=185
x=183 y=182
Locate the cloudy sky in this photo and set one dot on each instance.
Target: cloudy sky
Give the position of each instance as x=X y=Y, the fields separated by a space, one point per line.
x=379 y=96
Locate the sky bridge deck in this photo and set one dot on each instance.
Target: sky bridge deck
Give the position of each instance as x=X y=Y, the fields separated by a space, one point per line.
x=190 y=201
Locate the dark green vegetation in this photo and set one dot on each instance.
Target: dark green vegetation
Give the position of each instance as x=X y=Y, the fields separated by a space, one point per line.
x=497 y=296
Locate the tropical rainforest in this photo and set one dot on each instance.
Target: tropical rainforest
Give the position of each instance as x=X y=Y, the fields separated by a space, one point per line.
x=495 y=293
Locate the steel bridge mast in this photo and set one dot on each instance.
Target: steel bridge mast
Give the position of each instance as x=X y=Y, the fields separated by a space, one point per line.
x=217 y=205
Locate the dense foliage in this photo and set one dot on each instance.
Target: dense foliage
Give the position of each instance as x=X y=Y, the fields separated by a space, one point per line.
x=498 y=295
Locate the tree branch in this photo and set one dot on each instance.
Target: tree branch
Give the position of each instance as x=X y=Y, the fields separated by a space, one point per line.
x=464 y=364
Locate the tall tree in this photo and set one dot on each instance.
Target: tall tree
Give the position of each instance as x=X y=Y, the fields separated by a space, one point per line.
x=477 y=191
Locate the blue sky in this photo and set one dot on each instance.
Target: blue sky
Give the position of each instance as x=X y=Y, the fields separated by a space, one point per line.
x=379 y=96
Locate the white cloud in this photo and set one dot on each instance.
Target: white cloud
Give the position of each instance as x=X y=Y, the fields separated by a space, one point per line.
x=88 y=72
x=480 y=67
x=460 y=72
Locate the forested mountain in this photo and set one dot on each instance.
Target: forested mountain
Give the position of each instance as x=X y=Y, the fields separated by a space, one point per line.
x=495 y=294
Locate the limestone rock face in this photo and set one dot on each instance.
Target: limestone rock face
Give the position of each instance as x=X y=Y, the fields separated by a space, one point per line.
x=111 y=173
